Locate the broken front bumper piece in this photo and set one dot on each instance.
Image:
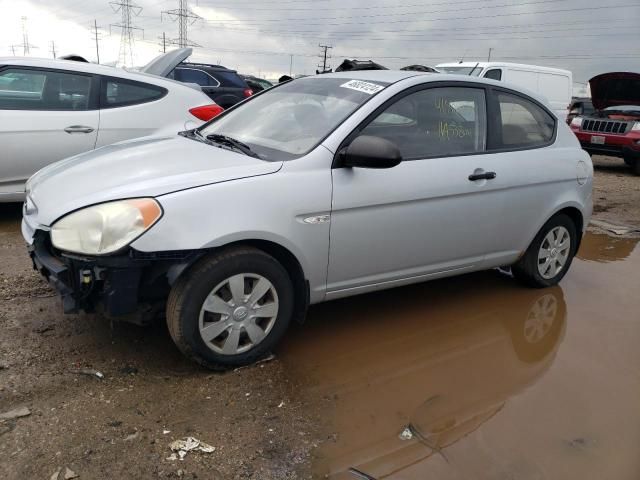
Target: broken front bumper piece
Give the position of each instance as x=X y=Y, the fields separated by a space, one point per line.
x=116 y=285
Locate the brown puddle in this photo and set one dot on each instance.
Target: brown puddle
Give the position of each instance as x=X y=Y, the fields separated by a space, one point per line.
x=493 y=379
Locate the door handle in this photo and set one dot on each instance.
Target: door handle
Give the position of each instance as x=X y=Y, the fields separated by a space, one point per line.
x=78 y=129
x=482 y=176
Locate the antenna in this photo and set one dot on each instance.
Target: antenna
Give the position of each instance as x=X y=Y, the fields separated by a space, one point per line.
x=127 y=9
x=185 y=17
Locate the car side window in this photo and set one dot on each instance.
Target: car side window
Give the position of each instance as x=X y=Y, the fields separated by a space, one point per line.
x=120 y=93
x=524 y=124
x=434 y=122
x=31 y=89
x=193 y=75
x=494 y=74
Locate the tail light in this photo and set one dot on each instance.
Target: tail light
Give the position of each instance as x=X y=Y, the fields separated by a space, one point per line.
x=247 y=92
x=206 y=112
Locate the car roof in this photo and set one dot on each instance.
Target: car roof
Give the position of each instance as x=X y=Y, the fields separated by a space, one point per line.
x=219 y=68
x=393 y=76
x=93 y=68
x=523 y=66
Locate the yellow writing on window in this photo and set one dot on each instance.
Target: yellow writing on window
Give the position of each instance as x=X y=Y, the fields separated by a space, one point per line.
x=447 y=131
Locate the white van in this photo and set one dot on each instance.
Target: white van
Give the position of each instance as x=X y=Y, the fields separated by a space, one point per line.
x=553 y=83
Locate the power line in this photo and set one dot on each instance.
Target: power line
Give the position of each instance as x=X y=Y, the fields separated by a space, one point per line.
x=185 y=17
x=431 y=20
x=127 y=9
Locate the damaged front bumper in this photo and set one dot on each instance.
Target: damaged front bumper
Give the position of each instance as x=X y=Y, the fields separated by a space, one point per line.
x=132 y=284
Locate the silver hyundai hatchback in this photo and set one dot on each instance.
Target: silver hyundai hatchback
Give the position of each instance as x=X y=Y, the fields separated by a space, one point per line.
x=319 y=188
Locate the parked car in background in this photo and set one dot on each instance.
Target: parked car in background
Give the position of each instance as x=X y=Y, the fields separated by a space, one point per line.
x=222 y=85
x=554 y=84
x=614 y=127
x=580 y=106
x=53 y=109
x=257 y=84
x=229 y=225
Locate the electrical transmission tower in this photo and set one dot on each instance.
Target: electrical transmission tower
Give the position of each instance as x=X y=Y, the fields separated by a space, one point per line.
x=324 y=57
x=128 y=10
x=184 y=17
x=163 y=42
x=26 y=46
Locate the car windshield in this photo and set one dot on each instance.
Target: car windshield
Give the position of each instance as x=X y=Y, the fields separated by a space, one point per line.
x=474 y=71
x=290 y=120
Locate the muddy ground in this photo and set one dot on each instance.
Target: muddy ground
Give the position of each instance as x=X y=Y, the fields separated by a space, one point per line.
x=485 y=379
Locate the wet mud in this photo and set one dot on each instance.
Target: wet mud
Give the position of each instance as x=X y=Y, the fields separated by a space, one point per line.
x=478 y=377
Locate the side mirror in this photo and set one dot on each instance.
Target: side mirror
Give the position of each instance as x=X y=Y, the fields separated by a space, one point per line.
x=367 y=151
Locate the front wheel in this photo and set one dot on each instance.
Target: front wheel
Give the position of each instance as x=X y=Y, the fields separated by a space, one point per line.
x=230 y=308
x=549 y=256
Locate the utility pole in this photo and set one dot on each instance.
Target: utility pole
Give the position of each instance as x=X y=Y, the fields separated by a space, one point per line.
x=163 y=38
x=52 y=48
x=324 y=57
x=127 y=10
x=26 y=46
x=290 y=63
x=489 y=57
x=185 y=17
x=95 y=36
x=13 y=50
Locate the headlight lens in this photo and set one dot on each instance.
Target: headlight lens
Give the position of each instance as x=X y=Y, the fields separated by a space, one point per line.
x=105 y=228
x=636 y=126
x=576 y=122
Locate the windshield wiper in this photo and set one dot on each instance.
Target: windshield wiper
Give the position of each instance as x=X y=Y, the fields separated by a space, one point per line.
x=231 y=142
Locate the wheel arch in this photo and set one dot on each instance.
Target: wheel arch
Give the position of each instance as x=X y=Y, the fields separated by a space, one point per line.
x=576 y=217
x=279 y=252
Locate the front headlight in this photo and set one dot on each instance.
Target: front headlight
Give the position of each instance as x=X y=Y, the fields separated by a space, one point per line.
x=636 y=126
x=576 y=122
x=106 y=227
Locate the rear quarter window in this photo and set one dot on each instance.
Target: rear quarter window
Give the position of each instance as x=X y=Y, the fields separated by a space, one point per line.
x=120 y=93
x=523 y=123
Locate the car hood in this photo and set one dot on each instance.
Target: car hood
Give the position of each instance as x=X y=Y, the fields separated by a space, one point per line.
x=615 y=88
x=144 y=167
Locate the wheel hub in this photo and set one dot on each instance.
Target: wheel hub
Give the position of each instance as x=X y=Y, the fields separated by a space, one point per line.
x=240 y=313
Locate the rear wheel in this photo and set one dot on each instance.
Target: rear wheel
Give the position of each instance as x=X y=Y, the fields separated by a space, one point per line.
x=230 y=308
x=550 y=254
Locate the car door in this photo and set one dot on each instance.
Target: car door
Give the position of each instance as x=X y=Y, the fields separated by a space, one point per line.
x=425 y=216
x=130 y=109
x=45 y=115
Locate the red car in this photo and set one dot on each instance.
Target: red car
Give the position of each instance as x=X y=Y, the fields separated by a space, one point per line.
x=614 y=128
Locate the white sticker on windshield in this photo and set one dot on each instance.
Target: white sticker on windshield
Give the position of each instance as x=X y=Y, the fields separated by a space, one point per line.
x=365 y=87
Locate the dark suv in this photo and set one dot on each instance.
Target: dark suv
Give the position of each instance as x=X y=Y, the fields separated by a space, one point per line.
x=224 y=86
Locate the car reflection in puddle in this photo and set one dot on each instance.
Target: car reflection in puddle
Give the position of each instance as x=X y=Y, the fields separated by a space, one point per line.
x=441 y=358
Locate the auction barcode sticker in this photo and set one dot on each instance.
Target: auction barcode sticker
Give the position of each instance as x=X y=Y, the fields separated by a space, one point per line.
x=361 y=86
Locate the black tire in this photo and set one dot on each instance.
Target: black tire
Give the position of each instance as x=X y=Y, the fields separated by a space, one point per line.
x=190 y=290
x=629 y=161
x=636 y=167
x=526 y=269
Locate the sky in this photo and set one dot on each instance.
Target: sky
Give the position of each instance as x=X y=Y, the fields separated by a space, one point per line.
x=270 y=37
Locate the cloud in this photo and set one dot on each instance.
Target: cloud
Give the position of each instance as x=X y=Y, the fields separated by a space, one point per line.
x=584 y=36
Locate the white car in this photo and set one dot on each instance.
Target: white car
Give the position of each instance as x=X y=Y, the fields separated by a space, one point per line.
x=54 y=109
